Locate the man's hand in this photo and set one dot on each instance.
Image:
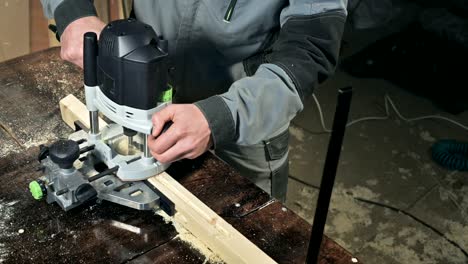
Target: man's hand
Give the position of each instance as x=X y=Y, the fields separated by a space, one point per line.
x=72 y=38
x=188 y=137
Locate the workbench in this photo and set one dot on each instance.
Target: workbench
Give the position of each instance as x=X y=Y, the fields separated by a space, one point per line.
x=34 y=231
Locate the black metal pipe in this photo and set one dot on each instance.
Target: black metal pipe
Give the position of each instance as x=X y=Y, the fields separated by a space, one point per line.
x=86 y=149
x=102 y=174
x=81 y=141
x=110 y=171
x=63 y=191
x=329 y=173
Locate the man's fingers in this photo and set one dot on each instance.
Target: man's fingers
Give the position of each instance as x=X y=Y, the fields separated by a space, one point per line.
x=72 y=38
x=187 y=137
x=177 y=152
x=164 y=141
x=160 y=118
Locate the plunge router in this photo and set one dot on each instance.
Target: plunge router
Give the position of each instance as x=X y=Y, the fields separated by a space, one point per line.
x=125 y=79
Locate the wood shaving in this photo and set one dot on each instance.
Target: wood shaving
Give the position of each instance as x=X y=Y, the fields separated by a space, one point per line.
x=191 y=240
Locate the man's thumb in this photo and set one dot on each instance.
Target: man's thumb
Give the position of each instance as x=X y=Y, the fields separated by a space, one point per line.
x=162 y=117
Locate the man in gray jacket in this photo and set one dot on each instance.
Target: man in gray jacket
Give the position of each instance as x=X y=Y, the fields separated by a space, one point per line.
x=241 y=70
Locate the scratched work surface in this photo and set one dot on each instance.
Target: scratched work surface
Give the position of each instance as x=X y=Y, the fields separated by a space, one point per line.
x=33 y=231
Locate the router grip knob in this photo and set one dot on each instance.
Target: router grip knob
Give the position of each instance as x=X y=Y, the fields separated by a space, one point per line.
x=90 y=52
x=64 y=153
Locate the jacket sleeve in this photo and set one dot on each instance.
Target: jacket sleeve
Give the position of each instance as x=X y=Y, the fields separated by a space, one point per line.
x=304 y=54
x=66 y=11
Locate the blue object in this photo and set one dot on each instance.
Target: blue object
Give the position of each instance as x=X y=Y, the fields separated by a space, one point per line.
x=451 y=154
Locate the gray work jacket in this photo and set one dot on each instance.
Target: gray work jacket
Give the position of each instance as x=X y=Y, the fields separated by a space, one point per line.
x=247 y=64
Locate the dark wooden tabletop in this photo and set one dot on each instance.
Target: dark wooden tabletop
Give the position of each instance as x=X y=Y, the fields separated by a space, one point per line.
x=33 y=231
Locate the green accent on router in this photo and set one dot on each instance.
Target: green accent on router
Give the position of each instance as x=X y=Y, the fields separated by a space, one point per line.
x=36 y=190
x=167 y=95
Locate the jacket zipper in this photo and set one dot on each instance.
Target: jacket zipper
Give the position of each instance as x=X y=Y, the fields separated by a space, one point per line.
x=229 y=11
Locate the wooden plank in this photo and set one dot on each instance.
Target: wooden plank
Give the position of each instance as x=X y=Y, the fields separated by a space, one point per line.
x=73 y=110
x=192 y=214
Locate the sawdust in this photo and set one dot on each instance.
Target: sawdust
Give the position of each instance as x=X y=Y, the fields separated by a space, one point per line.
x=6 y=213
x=45 y=137
x=34 y=142
x=191 y=240
x=46 y=79
x=3 y=253
x=9 y=147
x=51 y=78
x=34 y=131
